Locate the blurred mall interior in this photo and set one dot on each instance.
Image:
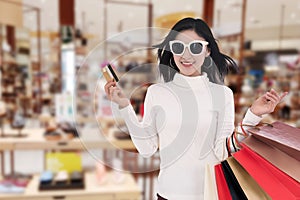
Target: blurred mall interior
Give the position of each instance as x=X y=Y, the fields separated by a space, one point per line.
x=57 y=124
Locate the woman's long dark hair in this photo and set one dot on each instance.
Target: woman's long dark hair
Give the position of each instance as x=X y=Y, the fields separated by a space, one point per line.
x=223 y=62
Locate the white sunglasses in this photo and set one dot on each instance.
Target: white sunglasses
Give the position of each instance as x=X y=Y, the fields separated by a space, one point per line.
x=195 y=47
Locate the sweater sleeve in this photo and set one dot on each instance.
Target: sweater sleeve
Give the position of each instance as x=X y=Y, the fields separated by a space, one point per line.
x=225 y=125
x=143 y=133
x=234 y=139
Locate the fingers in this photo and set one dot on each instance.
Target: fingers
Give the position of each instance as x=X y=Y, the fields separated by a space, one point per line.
x=117 y=95
x=113 y=91
x=108 y=86
x=274 y=93
x=271 y=97
x=274 y=97
x=283 y=95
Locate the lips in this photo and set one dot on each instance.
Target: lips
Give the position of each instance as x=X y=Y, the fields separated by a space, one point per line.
x=187 y=64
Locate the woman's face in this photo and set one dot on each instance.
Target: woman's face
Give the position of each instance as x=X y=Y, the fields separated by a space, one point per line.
x=189 y=64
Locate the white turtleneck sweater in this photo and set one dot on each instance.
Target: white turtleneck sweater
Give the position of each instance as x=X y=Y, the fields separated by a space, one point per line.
x=188 y=120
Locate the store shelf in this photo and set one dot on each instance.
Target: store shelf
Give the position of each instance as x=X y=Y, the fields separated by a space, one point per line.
x=126 y=190
x=36 y=141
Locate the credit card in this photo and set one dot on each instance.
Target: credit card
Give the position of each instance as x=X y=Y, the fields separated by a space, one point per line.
x=109 y=73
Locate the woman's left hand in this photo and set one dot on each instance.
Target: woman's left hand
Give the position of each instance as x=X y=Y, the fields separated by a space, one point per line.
x=267 y=103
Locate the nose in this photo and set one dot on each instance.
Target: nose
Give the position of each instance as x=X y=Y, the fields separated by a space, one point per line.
x=186 y=53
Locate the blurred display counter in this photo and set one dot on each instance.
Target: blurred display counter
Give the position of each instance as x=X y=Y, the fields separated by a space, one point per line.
x=126 y=190
x=35 y=140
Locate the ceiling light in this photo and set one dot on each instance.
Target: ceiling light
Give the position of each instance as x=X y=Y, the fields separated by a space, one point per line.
x=234 y=3
x=188 y=7
x=293 y=15
x=130 y=15
x=235 y=9
x=161 y=12
x=253 y=20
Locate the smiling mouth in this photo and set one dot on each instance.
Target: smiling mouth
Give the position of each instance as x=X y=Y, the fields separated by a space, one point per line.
x=187 y=64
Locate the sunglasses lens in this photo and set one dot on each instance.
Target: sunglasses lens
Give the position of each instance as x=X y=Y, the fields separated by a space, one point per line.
x=177 y=48
x=196 y=48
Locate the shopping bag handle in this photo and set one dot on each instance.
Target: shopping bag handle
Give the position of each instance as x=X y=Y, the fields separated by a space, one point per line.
x=253 y=126
x=234 y=138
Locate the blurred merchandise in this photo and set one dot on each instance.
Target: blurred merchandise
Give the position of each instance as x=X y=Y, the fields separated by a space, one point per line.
x=61 y=180
x=64 y=107
x=101 y=173
x=118 y=175
x=14 y=183
x=63 y=161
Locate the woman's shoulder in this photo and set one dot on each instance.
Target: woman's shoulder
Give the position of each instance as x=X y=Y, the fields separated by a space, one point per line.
x=220 y=88
x=157 y=87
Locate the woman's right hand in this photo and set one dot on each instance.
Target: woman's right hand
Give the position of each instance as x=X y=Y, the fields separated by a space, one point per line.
x=115 y=94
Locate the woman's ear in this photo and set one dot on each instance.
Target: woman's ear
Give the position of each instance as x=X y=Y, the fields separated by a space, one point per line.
x=207 y=53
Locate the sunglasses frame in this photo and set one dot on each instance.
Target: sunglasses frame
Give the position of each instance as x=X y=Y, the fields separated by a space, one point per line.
x=204 y=43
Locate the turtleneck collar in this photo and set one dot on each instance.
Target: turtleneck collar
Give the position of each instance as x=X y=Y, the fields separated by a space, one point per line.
x=193 y=82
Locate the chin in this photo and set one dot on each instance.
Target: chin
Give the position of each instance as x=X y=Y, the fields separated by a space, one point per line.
x=189 y=72
x=193 y=73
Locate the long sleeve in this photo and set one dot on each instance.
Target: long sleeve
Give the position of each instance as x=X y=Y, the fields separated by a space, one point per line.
x=143 y=134
x=249 y=119
x=225 y=125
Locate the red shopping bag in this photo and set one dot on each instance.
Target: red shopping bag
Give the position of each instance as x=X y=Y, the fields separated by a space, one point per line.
x=275 y=182
x=278 y=158
x=223 y=190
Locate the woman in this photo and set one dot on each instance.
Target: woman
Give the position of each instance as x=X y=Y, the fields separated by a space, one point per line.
x=189 y=117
